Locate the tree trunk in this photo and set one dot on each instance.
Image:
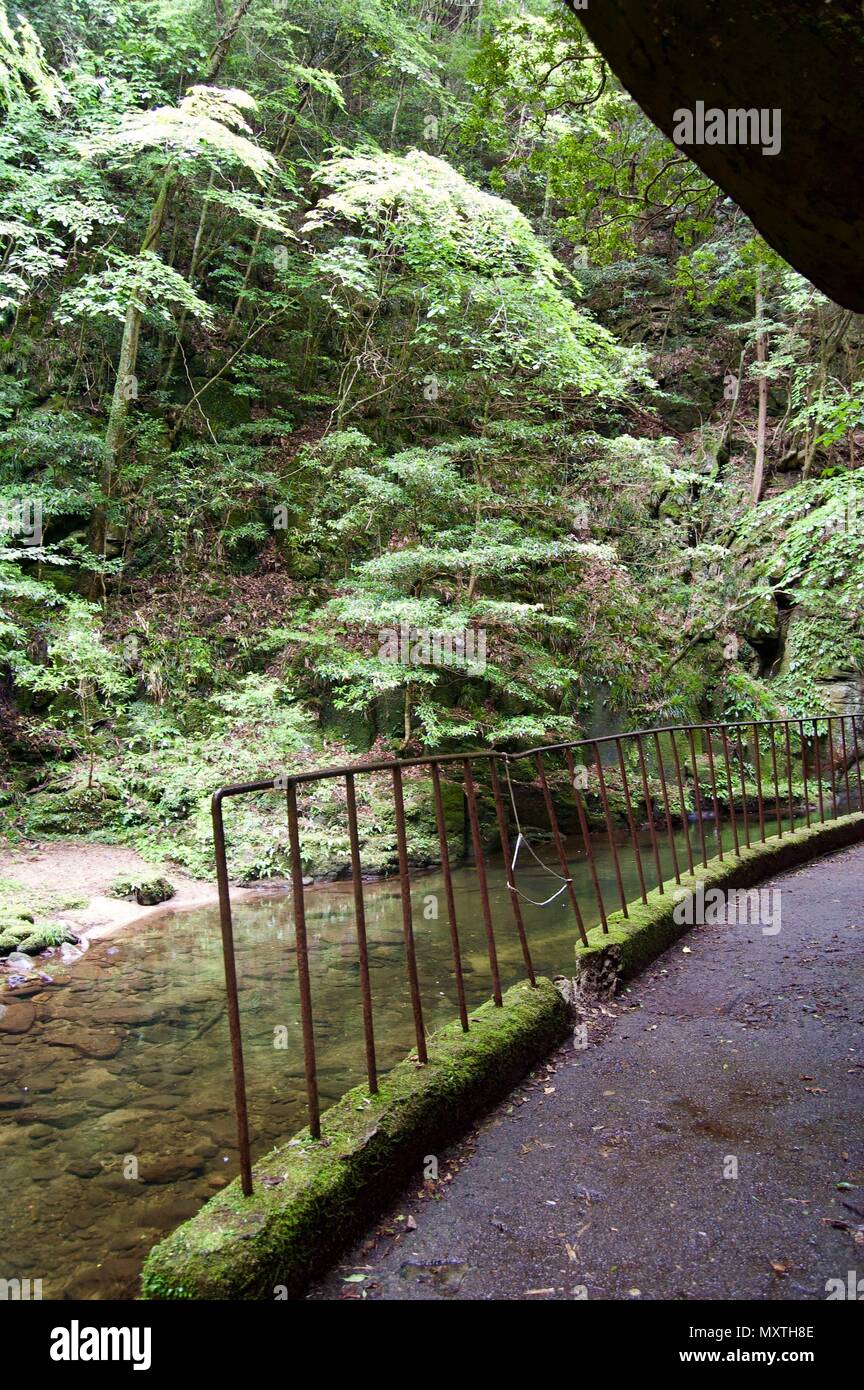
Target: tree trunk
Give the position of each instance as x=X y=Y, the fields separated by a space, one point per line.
x=125 y=389
x=125 y=385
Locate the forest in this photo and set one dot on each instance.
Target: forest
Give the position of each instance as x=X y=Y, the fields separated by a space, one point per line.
x=375 y=377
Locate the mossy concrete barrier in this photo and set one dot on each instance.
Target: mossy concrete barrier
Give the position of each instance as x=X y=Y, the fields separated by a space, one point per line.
x=634 y=941
x=311 y=1197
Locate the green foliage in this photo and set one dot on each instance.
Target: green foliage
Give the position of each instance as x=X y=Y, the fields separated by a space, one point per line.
x=207 y=120
x=468 y=288
x=23 y=69
x=409 y=321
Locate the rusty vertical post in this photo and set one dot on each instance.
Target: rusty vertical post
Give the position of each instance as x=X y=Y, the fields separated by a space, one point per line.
x=804 y=771
x=817 y=755
x=776 y=784
x=441 y=821
x=715 y=800
x=667 y=813
x=231 y=994
x=831 y=766
x=729 y=792
x=857 y=763
x=360 y=923
x=697 y=794
x=480 y=866
x=306 y=1022
x=845 y=756
x=501 y=816
x=610 y=829
x=407 y=921
x=790 y=793
x=682 y=799
x=559 y=845
x=803 y=738
x=758 y=759
x=649 y=811
x=586 y=838
x=634 y=841
x=745 y=813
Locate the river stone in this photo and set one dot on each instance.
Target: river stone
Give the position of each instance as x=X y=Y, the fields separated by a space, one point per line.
x=32 y=990
x=135 y=1015
x=154 y=1102
x=159 y=1034
x=92 y=1042
x=12 y=1100
x=17 y=1018
x=47 y=1172
x=62 y=1116
x=82 y=1168
x=36 y=1129
x=84 y=1082
x=171 y=1213
x=114 y=1277
x=175 y=1169
x=197 y=1109
x=223 y=1132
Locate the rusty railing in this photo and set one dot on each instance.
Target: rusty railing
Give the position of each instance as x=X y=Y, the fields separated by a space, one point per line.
x=631 y=788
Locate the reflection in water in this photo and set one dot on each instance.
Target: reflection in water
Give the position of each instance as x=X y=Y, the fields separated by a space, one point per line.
x=126 y=1070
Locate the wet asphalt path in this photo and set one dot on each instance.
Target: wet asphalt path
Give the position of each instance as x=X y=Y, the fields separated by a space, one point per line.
x=603 y=1176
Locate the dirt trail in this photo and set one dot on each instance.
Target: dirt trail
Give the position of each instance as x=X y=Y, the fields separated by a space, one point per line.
x=79 y=868
x=606 y=1176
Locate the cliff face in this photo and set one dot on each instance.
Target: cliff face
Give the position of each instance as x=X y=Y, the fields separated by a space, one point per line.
x=802 y=59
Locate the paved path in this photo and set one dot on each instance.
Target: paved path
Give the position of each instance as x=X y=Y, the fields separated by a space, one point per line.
x=605 y=1172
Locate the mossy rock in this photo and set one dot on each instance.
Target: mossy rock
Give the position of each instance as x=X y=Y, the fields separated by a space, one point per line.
x=19 y=933
x=23 y=935
x=147 y=892
x=12 y=920
x=72 y=812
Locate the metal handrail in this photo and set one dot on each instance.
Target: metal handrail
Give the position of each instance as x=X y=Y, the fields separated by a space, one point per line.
x=733 y=736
